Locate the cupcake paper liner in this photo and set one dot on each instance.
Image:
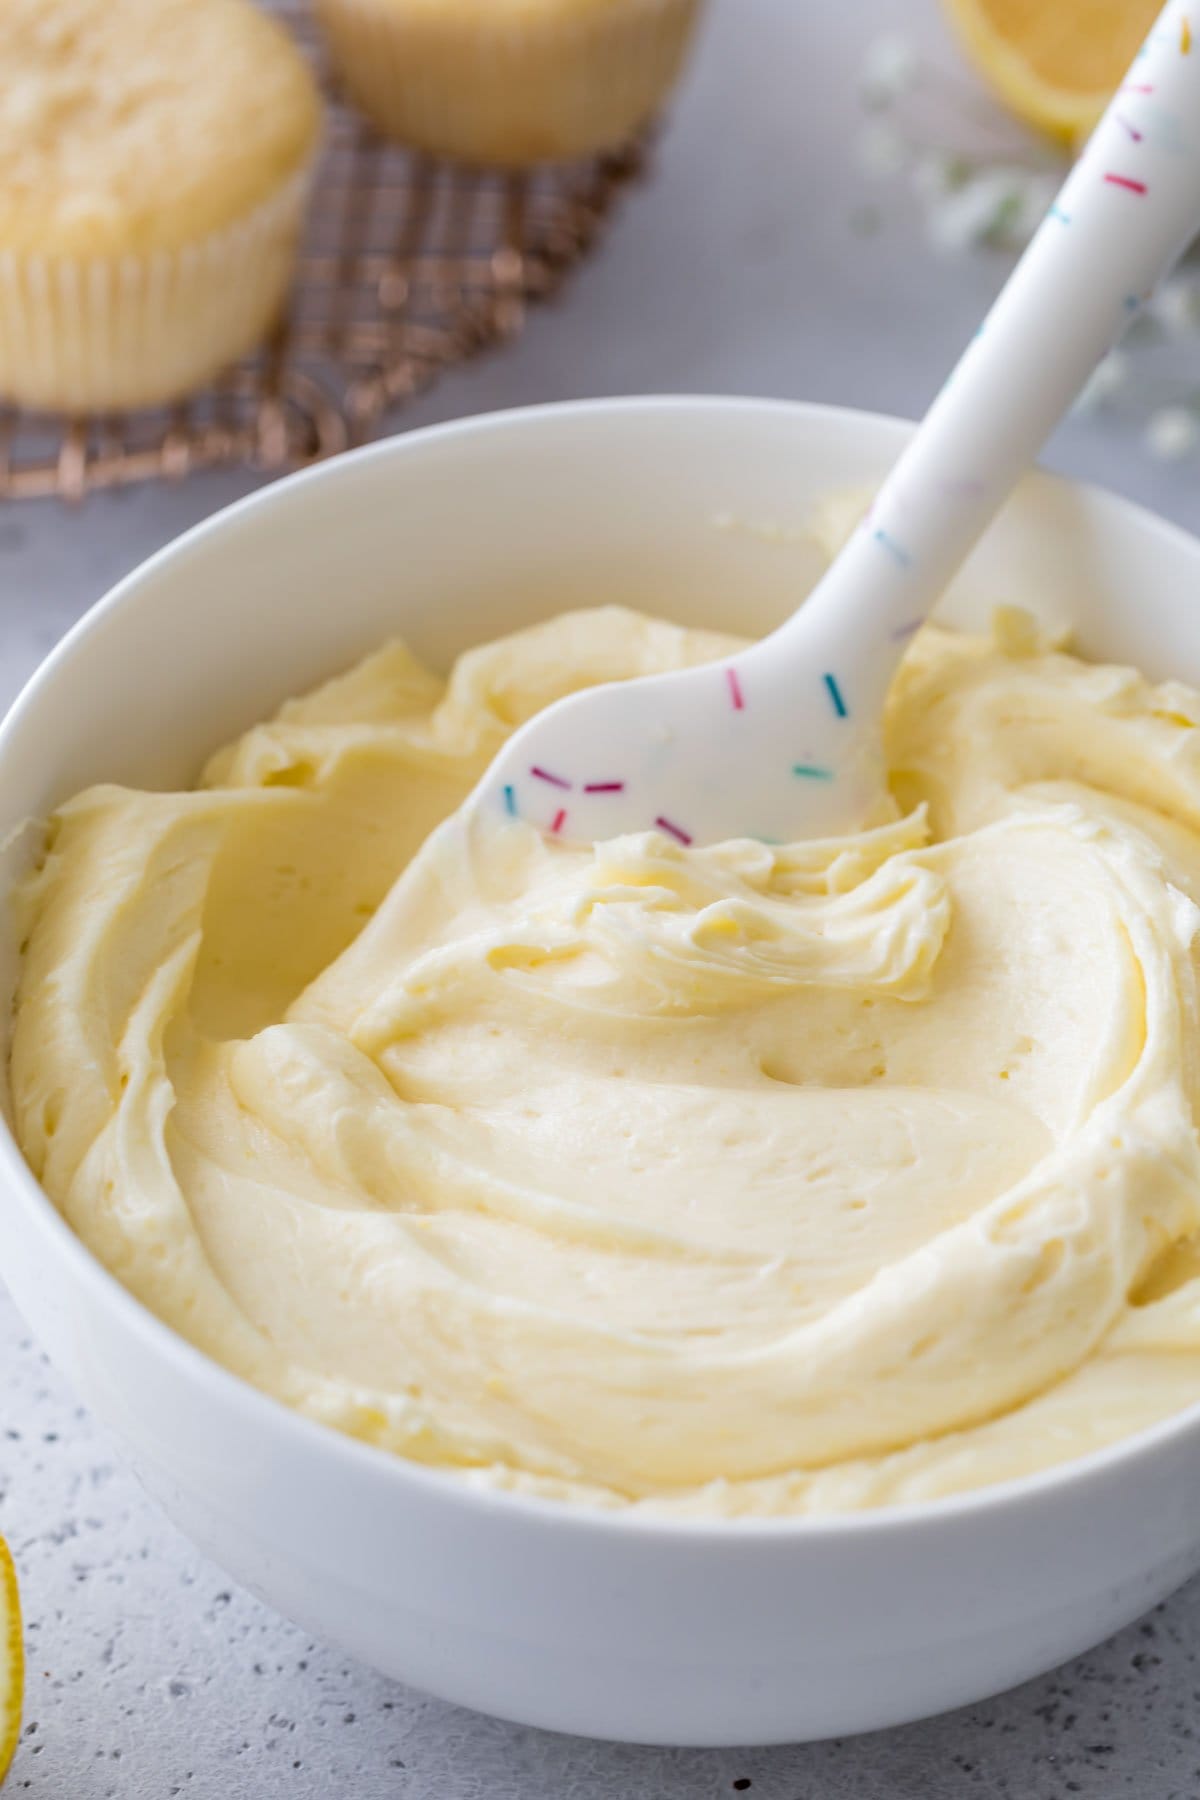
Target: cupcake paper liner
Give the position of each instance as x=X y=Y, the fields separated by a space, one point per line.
x=111 y=333
x=508 y=93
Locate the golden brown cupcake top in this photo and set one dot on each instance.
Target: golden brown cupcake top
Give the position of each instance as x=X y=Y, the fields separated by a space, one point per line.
x=129 y=126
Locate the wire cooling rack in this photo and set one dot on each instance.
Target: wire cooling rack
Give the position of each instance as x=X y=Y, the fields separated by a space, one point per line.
x=408 y=267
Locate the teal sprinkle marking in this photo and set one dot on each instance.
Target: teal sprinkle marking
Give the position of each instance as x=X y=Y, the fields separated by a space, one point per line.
x=896 y=551
x=1056 y=212
x=510 y=801
x=811 y=772
x=835 y=694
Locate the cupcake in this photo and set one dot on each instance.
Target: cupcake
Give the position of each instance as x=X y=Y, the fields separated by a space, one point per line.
x=154 y=164
x=511 y=82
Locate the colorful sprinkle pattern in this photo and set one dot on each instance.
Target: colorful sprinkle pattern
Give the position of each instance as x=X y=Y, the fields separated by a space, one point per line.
x=904 y=523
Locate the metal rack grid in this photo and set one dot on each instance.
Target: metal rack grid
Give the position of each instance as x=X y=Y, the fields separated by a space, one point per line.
x=408 y=266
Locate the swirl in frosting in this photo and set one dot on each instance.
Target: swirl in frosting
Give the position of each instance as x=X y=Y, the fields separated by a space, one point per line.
x=740 y=1179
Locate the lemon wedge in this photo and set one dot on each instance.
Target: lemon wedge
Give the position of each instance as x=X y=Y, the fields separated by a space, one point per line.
x=1055 y=63
x=12 y=1660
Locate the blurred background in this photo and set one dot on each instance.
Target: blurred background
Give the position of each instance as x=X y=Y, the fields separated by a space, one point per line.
x=833 y=201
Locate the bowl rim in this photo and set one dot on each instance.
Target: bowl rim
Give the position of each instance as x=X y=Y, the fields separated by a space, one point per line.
x=454 y=1488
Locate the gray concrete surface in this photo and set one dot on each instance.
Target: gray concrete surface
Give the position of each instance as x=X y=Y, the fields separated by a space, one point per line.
x=739 y=269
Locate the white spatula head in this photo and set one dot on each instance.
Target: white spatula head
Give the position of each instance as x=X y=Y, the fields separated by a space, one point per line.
x=746 y=748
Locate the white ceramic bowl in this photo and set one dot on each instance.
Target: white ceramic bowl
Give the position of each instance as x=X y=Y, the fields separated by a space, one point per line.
x=581 y=1621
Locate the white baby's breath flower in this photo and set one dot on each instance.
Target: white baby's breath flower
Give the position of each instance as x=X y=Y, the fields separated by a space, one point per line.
x=1176 y=306
x=1173 y=433
x=888 y=70
x=881 y=149
x=990 y=207
x=936 y=173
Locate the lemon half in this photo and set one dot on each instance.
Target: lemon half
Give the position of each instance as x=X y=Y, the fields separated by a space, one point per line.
x=12 y=1660
x=1055 y=63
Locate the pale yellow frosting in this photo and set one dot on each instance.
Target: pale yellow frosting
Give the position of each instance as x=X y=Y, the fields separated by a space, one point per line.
x=746 y=1179
x=133 y=126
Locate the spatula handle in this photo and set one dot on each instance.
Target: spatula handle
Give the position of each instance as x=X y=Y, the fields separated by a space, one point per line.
x=1127 y=210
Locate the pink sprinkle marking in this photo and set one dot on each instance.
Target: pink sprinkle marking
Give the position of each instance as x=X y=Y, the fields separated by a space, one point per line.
x=1133 y=131
x=735 y=690
x=1127 y=181
x=560 y=819
x=545 y=775
x=604 y=787
x=674 y=830
x=1137 y=87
